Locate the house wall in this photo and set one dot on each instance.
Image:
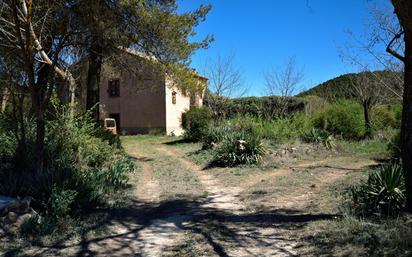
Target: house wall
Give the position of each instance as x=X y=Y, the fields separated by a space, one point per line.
x=141 y=102
x=174 y=112
x=145 y=103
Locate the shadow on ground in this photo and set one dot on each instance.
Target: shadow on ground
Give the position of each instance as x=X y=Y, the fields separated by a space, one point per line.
x=214 y=225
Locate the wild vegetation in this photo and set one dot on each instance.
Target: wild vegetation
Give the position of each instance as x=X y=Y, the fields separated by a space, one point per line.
x=336 y=158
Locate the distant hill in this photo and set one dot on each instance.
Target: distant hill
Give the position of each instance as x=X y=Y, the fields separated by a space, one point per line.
x=339 y=87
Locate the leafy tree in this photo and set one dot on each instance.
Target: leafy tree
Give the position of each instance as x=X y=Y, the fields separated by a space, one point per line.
x=154 y=27
x=41 y=40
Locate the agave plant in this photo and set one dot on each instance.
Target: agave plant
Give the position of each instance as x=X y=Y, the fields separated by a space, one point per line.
x=240 y=148
x=319 y=136
x=383 y=192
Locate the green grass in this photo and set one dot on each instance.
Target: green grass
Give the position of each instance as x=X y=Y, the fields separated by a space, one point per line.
x=373 y=148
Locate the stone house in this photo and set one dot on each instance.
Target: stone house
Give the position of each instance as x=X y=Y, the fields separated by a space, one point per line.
x=142 y=99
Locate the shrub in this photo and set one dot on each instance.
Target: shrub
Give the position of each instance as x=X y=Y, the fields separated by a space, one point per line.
x=196 y=123
x=108 y=136
x=269 y=107
x=318 y=136
x=386 y=116
x=395 y=146
x=117 y=175
x=383 y=193
x=60 y=201
x=215 y=135
x=80 y=169
x=344 y=118
x=240 y=147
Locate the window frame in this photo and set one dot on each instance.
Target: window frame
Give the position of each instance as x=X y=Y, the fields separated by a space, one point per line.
x=113 y=86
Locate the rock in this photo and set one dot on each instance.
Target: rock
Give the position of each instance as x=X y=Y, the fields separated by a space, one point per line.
x=22 y=219
x=10 y=219
x=13 y=222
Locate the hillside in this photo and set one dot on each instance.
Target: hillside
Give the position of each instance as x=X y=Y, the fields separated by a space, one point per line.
x=339 y=87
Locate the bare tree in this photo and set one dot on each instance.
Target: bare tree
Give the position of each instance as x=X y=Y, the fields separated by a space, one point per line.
x=284 y=82
x=366 y=53
x=225 y=78
x=367 y=90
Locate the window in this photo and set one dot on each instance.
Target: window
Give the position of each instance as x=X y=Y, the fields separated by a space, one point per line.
x=174 y=97
x=114 y=88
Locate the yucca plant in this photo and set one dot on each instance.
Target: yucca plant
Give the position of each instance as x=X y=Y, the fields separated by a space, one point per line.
x=383 y=193
x=215 y=136
x=319 y=136
x=240 y=148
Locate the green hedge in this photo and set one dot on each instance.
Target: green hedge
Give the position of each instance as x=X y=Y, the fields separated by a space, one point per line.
x=268 y=107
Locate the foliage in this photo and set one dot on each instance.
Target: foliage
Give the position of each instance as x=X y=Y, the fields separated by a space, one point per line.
x=240 y=147
x=383 y=193
x=81 y=169
x=215 y=135
x=60 y=201
x=196 y=123
x=267 y=107
x=344 y=118
x=386 y=116
x=108 y=136
x=395 y=146
x=318 y=136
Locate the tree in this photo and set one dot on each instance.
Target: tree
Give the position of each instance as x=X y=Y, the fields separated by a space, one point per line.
x=403 y=10
x=366 y=50
x=284 y=82
x=34 y=38
x=367 y=90
x=154 y=27
x=225 y=79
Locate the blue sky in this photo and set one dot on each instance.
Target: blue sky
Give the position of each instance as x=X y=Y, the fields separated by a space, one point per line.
x=265 y=33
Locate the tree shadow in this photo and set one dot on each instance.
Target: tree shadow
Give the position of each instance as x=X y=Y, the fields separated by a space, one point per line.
x=179 y=141
x=218 y=227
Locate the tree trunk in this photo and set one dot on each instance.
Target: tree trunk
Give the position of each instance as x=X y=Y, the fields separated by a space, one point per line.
x=93 y=78
x=4 y=98
x=368 y=127
x=39 y=147
x=406 y=127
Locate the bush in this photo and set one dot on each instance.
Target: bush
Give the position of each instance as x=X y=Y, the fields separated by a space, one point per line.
x=382 y=194
x=60 y=201
x=109 y=137
x=344 y=118
x=269 y=107
x=240 y=147
x=386 y=116
x=215 y=136
x=395 y=146
x=196 y=123
x=318 y=136
x=80 y=170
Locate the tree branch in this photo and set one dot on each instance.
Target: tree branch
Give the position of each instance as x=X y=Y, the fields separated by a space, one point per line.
x=393 y=52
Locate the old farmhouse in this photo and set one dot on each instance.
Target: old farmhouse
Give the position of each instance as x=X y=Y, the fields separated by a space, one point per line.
x=143 y=99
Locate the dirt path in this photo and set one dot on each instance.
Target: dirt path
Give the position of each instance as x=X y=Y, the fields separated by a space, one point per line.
x=160 y=234
x=250 y=239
